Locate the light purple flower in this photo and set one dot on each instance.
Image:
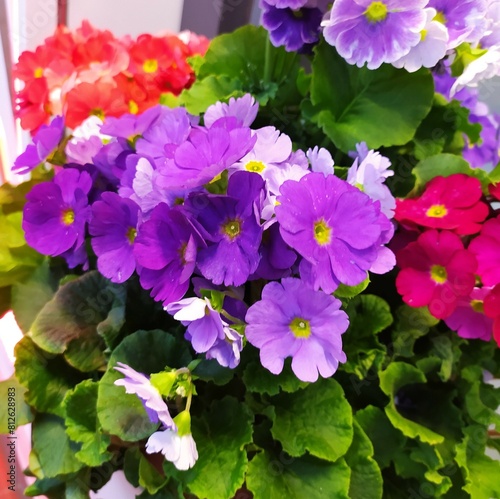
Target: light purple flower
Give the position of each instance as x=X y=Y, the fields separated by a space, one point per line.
x=85 y=142
x=56 y=213
x=114 y=227
x=244 y=109
x=468 y=319
x=231 y=228
x=292 y=320
x=45 y=142
x=140 y=385
x=165 y=250
x=206 y=330
x=364 y=31
x=334 y=226
x=369 y=175
x=321 y=160
x=465 y=19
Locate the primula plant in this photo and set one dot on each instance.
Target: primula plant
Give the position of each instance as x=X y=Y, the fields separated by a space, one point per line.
x=283 y=281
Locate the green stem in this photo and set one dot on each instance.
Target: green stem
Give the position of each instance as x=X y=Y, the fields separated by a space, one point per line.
x=267 y=61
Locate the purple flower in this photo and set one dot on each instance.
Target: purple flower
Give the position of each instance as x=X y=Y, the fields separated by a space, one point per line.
x=321 y=160
x=465 y=19
x=468 y=319
x=55 y=216
x=152 y=401
x=45 y=142
x=292 y=320
x=364 y=31
x=206 y=330
x=165 y=250
x=244 y=109
x=230 y=226
x=485 y=153
x=287 y=26
x=114 y=227
x=206 y=154
x=334 y=226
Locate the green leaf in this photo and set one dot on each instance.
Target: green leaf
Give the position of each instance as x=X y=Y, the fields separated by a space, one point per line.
x=46 y=377
x=387 y=440
x=480 y=472
x=54 y=450
x=16 y=411
x=259 y=380
x=382 y=107
x=45 y=485
x=31 y=294
x=317 y=419
x=396 y=376
x=149 y=477
x=120 y=413
x=366 y=477
x=349 y=292
x=82 y=425
x=273 y=477
x=211 y=370
x=131 y=463
x=445 y=165
x=368 y=316
x=220 y=435
x=74 y=322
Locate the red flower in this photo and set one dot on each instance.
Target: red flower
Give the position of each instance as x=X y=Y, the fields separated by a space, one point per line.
x=436 y=271
x=447 y=203
x=99 y=99
x=33 y=105
x=492 y=309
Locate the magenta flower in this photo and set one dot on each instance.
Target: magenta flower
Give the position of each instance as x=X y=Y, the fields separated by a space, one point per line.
x=334 y=226
x=114 y=227
x=292 y=320
x=469 y=320
x=436 y=271
x=165 y=249
x=364 y=31
x=486 y=247
x=57 y=212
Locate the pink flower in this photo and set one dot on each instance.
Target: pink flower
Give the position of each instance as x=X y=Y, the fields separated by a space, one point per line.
x=469 y=319
x=486 y=247
x=436 y=271
x=492 y=309
x=451 y=203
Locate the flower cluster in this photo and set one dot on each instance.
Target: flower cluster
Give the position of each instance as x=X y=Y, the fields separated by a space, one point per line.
x=205 y=209
x=408 y=34
x=91 y=72
x=453 y=264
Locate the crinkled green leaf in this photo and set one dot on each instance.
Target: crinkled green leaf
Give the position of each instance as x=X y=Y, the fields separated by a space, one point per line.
x=387 y=441
x=396 y=376
x=47 y=377
x=277 y=477
x=317 y=419
x=366 y=477
x=382 y=107
x=72 y=321
x=120 y=413
x=82 y=425
x=53 y=448
x=16 y=412
x=220 y=435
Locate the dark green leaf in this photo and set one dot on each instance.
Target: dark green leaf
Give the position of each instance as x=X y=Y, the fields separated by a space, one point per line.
x=317 y=419
x=149 y=477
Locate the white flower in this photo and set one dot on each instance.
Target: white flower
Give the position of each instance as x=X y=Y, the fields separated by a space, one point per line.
x=430 y=50
x=179 y=450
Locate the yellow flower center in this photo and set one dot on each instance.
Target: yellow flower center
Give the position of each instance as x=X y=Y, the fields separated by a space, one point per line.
x=255 y=166
x=232 y=228
x=150 y=66
x=440 y=18
x=300 y=328
x=376 y=12
x=477 y=306
x=131 y=234
x=182 y=253
x=133 y=107
x=423 y=35
x=68 y=216
x=439 y=274
x=98 y=112
x=38 y=73
x=437 y=211
x=322 y=232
